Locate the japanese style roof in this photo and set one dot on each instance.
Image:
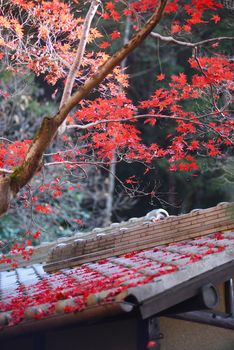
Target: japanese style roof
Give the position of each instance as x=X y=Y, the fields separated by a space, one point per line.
x=155 y=272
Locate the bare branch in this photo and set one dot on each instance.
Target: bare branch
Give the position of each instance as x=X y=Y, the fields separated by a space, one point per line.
x=103 y=121
x=6 y=171
x=79 y=56
x=160 y=116
x=5 y=139
x=76 y=163
x=170 y=39
x=110 y=190
x=110 y=64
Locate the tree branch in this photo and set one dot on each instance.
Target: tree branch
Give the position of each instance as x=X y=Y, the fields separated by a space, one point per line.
x=5 y=139
x=6 y=171
x=170 y=39
x=143 y=116
x=79 y=56
x=103 y=121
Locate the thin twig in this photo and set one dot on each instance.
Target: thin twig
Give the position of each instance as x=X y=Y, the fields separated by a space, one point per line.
x=6 y=171
x=5 y=139
x=103 y=121
x=170 y=39
x=210 y=85
x=143 y=116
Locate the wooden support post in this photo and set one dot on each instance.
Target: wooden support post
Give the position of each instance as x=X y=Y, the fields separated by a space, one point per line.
x=216 y=319
x=148 y=334
x=229 y=297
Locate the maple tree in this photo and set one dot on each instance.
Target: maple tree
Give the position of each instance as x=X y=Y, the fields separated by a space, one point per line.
x=71 y=45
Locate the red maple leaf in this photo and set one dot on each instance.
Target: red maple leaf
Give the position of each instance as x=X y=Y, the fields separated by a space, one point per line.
x=104 y=45
x=161 y=76
x=115 y=15
x=110 y=6
x=216 y=18
x=114 y=35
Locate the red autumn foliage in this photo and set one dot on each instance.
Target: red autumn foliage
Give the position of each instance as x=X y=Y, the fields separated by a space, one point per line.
x=73 y=287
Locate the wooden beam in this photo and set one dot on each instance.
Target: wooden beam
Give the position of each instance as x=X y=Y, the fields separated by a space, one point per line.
x=154 y=333
x=185 y=290
x=210 y=318
x=229 y=297
x=59 y=321
x=148 y=334
x=206 y=299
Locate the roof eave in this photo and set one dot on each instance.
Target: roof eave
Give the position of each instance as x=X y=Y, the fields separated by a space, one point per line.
x=90 y=314
x=152 y=303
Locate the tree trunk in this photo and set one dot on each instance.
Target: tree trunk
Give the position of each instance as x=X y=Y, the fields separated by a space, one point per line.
x=111 y=177
x=110 y=192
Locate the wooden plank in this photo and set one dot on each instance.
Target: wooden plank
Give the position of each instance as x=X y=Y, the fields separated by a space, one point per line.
x=215 y=319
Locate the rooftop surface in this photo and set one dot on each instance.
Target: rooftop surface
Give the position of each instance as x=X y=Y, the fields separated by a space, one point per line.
x=30 y=296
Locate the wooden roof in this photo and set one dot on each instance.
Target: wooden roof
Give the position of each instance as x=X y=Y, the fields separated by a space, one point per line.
x=156 y=270
x=139 y=233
